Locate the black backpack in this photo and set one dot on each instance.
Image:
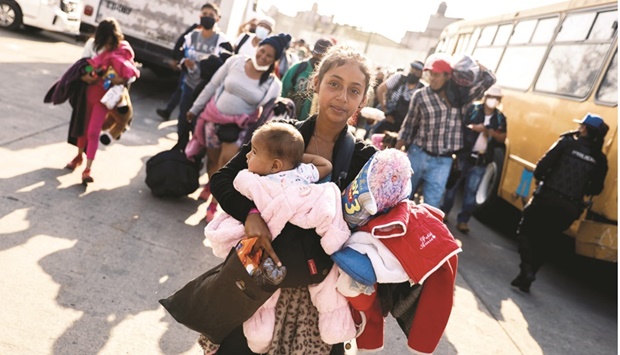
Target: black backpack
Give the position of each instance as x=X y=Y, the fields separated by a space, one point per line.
x=171 y=174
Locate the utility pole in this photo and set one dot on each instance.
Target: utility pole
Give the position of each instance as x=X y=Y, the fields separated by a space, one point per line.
x=367 y=43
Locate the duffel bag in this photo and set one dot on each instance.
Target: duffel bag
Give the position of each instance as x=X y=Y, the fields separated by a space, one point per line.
x=171 y=174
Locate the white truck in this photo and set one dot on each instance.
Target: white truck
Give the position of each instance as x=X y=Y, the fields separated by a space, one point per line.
x=153 y=26
x=51 y=15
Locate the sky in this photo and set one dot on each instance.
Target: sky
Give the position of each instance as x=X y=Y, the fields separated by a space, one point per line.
x=394 y=17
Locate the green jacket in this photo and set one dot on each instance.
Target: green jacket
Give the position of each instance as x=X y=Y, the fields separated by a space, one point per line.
x=298 y=91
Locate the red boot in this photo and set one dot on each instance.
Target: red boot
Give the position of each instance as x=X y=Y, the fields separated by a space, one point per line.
x=86 y=178
x=77 y=161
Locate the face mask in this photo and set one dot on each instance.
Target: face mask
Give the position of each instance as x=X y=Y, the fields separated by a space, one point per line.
x=262 y=32
x=491 y=102
x=258 y=67
x=207 y=22
x=412 y=78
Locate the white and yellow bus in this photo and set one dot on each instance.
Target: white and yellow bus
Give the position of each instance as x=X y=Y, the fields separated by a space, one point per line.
x=555 y=64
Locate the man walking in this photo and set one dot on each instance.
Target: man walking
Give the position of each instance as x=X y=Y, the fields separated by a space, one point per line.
x=433 y=128
x=199 y=44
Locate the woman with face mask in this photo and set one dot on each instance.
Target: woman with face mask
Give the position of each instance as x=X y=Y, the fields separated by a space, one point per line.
x=247 y=43
x=485 y=131
x=230 y=103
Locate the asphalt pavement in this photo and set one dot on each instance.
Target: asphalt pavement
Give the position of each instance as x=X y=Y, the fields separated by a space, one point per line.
x=83 y=268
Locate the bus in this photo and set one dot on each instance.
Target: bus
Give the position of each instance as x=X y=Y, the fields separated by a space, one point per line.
x=555 y=64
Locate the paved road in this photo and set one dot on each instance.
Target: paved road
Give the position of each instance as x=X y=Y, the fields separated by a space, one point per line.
x=83 y=268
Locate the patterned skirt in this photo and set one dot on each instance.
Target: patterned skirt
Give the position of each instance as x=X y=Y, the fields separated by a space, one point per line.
x=297 y=328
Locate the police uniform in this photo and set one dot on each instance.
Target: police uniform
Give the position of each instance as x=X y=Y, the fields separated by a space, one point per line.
x=571 y=168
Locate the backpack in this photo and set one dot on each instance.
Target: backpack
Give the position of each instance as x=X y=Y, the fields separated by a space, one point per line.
x=241 y=43
x=171 y=174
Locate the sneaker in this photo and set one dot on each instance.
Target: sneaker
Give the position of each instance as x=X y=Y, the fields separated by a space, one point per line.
x=165 y=115
x=86 y=178
x=462 y=227
x=77 y=161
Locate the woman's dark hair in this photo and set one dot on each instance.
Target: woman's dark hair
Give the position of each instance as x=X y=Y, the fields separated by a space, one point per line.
x=108 y=32
x=265 y=75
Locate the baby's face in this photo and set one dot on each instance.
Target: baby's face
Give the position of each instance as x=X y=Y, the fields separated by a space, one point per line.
x=259 y=159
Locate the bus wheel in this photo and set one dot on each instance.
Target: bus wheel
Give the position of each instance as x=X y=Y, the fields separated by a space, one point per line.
x=486 y=196
x=10 y=15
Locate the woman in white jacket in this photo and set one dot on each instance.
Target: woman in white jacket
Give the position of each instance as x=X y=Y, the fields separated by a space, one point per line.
x=231 y=102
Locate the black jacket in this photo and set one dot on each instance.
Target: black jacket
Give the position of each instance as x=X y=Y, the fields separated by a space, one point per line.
x=572 y=168
x=295 y=247
x=71 y=87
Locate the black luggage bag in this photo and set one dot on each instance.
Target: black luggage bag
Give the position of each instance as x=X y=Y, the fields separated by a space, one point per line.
x=171 y=174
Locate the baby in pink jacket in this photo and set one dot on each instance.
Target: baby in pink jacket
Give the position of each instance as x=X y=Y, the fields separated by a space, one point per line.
x=280 y=180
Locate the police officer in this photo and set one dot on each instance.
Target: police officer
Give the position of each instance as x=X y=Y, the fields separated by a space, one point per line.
x=573 y=167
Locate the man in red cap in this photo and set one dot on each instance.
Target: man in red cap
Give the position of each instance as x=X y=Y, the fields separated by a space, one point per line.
x=433 y=128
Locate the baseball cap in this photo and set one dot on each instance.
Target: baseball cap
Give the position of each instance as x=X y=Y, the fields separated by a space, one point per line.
x=591 y=120
x=356 y=265
x=321 y=46
x=417 y=65
x=439 y=63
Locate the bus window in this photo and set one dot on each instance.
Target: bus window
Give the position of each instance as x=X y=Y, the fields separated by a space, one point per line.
x=472 y=41
x=571 y=70
x=576 y=27
x=462 y=43
x=575 y=58
x=441 y=45
x=489 y=56
x=523 y=32
x=487 y=35
x=522 y=59
x=519 y=66
x=608 y=92
x=605 y=26
x=545 y=30
x=503 y=33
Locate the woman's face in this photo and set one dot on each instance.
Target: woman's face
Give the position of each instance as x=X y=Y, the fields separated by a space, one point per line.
x=341 y=92
x=265 y=55
x=258 y=158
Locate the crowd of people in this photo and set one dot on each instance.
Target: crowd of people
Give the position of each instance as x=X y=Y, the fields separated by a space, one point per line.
x=436 y=113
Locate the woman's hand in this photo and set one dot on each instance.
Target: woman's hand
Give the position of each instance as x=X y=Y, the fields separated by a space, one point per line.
x=190 y=116
x=88 y=79
x=189 y=64
x=480 y=128
x=255 y=226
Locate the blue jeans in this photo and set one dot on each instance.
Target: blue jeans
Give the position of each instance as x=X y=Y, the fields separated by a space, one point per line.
x=432 y=170
x=175 y=99
x=472 y=175
x=184 y=127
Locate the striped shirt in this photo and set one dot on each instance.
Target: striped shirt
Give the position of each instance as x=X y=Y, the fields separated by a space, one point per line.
x=435 y=126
